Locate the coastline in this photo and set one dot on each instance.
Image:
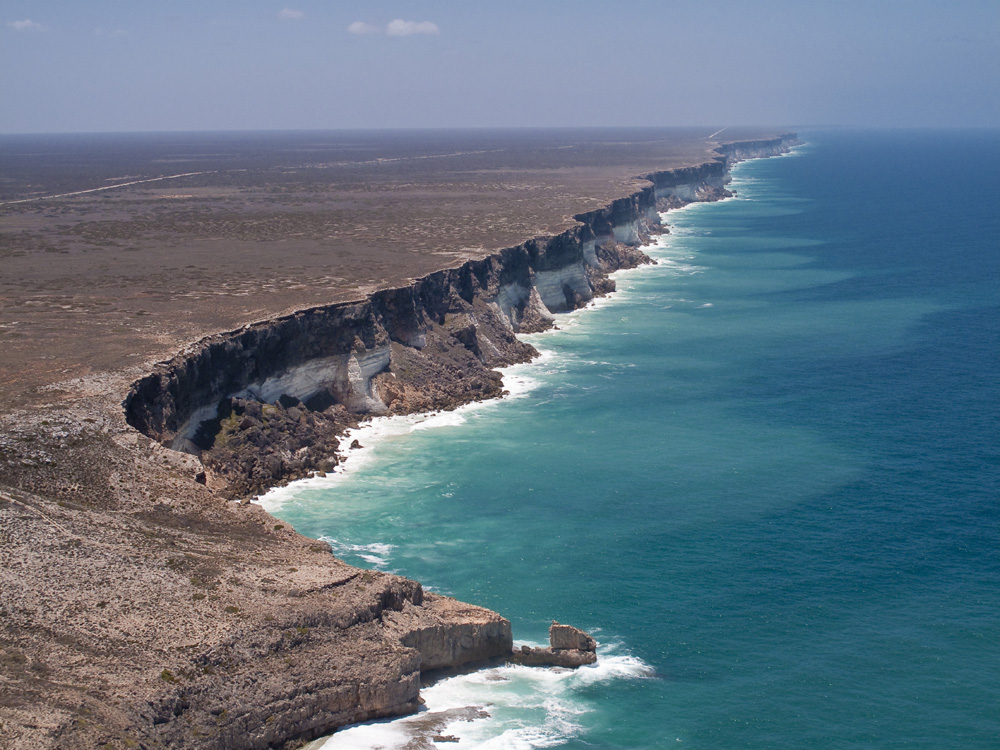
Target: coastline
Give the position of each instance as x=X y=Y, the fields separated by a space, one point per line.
x=365 y=358
x=470 y=706
x=178 y=701
x=376 y=429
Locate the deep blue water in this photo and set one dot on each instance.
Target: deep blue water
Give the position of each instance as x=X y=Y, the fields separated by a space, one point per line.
x=765 y=474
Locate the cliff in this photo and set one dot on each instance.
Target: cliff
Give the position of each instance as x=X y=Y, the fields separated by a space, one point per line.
x=138 y=609
x=264 y=404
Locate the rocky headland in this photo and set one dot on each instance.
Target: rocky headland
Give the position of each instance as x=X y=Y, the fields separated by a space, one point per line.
x=142 y=607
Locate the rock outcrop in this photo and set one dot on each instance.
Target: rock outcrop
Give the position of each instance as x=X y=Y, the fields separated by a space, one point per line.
x=569 y=647
x=568 y=637
x=449 y=634
x=358 y=661
x=170 y=619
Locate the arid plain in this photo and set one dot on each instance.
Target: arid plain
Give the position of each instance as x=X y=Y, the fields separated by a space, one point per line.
x=110 y=280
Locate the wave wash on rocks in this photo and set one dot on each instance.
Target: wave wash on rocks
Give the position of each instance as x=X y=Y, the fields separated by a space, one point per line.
x=265 y=404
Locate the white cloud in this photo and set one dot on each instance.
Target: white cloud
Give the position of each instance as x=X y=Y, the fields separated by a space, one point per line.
x=290 y=14
x=360 y=27
x=399 y=27
x=25 y=25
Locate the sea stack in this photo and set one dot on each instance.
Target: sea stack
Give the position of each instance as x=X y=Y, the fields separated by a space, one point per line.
x=569 y=647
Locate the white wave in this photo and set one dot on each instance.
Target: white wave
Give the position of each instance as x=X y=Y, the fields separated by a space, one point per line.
x=518 y=382
x=503 y=708
x=369 y=435
x=436 y=420
x=365 y=737
x=376 y=553
x=375 y=433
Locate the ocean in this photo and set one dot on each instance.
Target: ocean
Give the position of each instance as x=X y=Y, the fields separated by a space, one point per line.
x=764 y=474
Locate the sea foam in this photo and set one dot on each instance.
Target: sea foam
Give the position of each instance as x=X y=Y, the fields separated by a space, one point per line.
x=502 y=708
x=376 y=553
x=378 y=431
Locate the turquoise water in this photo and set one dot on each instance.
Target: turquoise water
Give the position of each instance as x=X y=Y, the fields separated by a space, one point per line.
x=765 y=475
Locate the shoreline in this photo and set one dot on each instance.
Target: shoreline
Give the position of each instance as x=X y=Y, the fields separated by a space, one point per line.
x=255 y=609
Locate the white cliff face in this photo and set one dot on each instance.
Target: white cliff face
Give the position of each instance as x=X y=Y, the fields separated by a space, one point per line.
x=301 y=382
x=511 y=298
x=353 y=384
x=685 y=192
x=628 y=233
x=700 y=188
x=550 y=285
x=535 y=308
x=347 y=376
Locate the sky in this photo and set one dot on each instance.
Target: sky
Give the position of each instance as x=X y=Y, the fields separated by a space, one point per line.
x=133 y=65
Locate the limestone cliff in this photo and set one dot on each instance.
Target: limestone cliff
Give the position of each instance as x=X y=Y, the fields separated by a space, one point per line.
x=265 y=404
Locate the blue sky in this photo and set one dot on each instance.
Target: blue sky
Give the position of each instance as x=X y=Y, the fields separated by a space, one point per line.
x=116 y=65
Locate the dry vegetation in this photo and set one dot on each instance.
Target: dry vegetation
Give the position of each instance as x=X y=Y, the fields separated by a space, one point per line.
x=112 y=280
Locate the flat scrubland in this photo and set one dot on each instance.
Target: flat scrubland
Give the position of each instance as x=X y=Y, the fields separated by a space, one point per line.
x=111 y=281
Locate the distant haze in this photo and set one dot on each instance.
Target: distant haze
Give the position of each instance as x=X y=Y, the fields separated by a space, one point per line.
x=67 y=66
